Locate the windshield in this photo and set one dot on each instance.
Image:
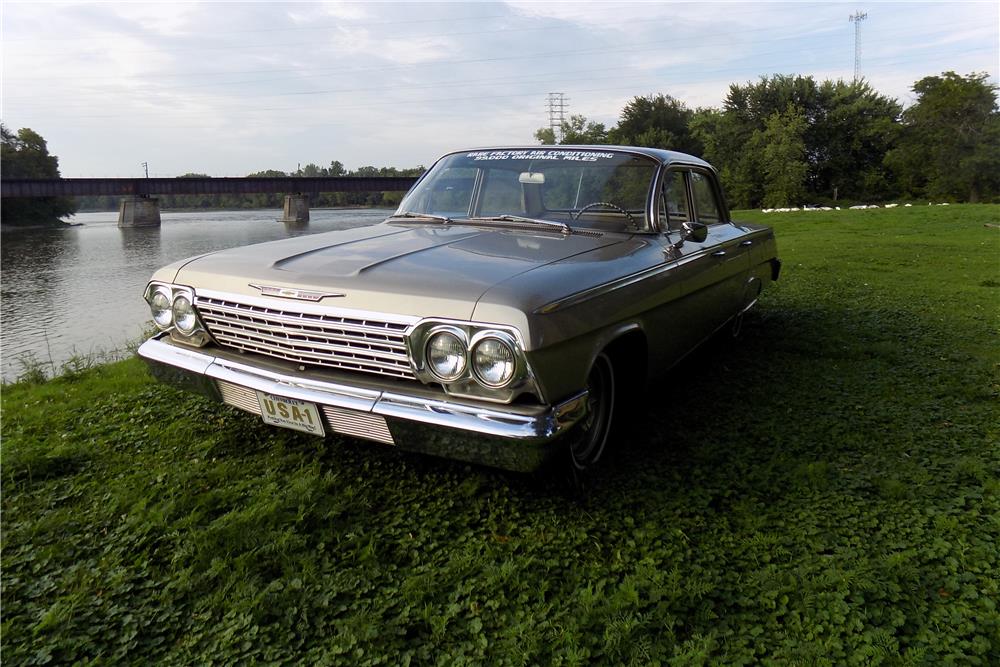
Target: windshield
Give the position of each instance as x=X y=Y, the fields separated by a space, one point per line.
x=599 y=189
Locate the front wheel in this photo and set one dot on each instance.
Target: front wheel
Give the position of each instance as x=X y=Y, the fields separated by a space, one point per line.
x=588 y=443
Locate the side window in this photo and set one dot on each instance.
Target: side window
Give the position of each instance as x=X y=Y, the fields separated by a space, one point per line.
x=705 y=202
x=674 y=207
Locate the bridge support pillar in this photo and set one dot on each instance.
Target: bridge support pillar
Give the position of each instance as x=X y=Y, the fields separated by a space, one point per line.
x=139 y=212
x=296 y=209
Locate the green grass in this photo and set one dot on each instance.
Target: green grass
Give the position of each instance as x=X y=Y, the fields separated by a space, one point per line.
x=824 y=492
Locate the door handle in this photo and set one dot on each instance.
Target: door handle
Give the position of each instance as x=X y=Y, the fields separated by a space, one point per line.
x=746 y=243
x=719 y=253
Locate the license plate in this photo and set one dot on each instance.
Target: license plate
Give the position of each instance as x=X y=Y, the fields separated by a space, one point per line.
x=290 y=413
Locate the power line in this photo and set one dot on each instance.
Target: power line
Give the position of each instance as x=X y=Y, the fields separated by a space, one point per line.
x=725 y=39
x=151 y=96
x=413 y=110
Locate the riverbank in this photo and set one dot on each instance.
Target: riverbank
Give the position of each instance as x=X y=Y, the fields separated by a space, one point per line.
x=824 y=491
x=41 y=226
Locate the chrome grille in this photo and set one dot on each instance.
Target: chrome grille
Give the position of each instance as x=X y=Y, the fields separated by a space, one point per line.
x=239 y=397
x=333 y=341
x=358 y=424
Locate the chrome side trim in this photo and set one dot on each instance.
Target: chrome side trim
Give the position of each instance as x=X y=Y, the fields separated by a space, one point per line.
x=619 y=283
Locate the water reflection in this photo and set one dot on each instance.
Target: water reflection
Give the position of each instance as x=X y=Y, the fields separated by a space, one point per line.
x=138 y=243
x=34 y=267
x=296 y=228
x=79 y=290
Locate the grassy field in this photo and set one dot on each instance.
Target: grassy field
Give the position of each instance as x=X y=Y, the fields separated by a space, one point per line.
x=825 y=491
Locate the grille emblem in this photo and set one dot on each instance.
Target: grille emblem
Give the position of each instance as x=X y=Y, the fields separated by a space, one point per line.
x=292 y=293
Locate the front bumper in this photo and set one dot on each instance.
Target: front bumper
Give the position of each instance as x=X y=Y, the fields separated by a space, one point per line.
x=511 y=437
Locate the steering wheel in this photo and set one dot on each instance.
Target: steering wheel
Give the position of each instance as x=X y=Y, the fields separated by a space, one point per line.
x=606 y=204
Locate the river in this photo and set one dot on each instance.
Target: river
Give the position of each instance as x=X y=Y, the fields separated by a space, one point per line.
x=78 y=291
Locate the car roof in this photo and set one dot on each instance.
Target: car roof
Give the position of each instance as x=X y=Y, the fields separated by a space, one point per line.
x=659 y=154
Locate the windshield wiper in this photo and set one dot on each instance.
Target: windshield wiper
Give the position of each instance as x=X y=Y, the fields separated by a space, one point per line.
x=508 y=217
x=422 y=216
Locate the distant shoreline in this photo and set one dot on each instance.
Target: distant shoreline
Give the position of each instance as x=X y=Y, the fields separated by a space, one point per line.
x=46 y=226
x=63 y=224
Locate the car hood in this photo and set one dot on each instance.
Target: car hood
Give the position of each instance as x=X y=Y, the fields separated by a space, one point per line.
x=417 y=270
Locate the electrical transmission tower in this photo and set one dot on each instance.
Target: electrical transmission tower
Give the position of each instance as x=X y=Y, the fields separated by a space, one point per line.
x=557 y=113
x=856 y=18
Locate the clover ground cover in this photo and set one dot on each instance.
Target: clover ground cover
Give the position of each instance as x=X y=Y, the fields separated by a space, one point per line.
x=825 y=491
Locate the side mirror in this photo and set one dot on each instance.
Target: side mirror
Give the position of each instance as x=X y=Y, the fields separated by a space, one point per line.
x=695 y=231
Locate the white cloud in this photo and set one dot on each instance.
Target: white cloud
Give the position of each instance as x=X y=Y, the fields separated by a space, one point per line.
x=406 y=51
x=231 y=88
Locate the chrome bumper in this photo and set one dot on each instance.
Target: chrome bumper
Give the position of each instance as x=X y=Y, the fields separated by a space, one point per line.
x=516 y=439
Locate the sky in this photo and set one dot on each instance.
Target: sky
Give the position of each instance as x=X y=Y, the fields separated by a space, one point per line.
x=227 y=88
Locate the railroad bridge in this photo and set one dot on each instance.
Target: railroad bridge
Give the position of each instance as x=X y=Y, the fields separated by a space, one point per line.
x=140 y=207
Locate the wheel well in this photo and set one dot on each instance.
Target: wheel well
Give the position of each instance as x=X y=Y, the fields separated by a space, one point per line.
x=629 y=358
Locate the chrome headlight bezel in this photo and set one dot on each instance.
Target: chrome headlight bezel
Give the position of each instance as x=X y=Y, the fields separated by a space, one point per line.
x=503 y=339
x=163 y=317
x=195 y=334
x=185 y=317
x=463 y=345
x=469 y=383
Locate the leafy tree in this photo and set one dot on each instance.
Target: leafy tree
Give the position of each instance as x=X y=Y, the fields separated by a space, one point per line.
x=546 y=136
x=848 y=128
x=854 y=127
x=268 y=173
x=781 y=148
x=656 y=121
x=725 y=138
x=26 y=155
x=576 y=130
x=950 y=144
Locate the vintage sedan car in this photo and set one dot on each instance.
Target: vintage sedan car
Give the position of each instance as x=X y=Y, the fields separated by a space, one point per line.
x=501 y=315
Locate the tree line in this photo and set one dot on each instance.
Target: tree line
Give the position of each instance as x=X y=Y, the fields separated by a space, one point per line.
x=788 y=140
x=784 y=140
x=25 y=154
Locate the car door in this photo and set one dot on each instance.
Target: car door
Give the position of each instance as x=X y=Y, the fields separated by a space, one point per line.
x=712 y=269
x=727 y=244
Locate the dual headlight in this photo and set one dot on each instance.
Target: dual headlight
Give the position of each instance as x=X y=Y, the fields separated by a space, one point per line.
x=172 y=308
x=489 y=355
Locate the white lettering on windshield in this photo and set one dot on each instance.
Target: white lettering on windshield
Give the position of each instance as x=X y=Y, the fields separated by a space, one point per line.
x=576 y=156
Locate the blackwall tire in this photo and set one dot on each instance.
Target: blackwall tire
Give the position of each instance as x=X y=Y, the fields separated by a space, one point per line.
x=589 y=442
